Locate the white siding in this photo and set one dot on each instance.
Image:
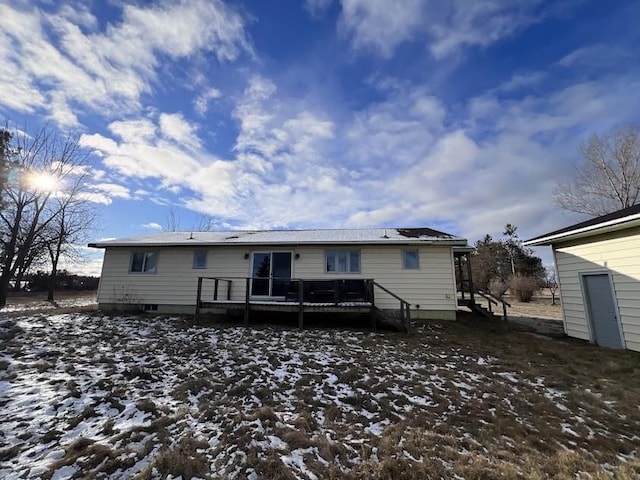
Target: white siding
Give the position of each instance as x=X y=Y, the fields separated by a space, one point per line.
x=175 y=282
x=619 y=254
x=432 y=286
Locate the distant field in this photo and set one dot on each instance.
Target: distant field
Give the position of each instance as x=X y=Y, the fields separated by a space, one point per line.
x=539 y=307
x=90 y=396
x=19 y=302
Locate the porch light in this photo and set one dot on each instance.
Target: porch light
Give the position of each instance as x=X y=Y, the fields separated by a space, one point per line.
x=246 y=256
x=297 y=256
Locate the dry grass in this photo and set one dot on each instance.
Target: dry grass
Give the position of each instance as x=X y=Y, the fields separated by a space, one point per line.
x=153 y=397
x=538 y=307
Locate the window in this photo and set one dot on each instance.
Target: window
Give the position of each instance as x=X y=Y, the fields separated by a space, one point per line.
x=200 y=259
x=410 y=259
x=342 y=261
x=144 y=262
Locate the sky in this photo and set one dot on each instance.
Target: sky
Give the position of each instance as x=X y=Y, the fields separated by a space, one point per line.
x=459 y=115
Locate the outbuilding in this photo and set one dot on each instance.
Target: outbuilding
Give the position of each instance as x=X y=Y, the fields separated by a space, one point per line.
x=598 y=268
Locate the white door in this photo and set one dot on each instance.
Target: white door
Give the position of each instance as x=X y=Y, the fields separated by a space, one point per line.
x=601 y=309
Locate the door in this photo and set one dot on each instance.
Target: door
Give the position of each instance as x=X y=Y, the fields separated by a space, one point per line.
x=271 y=272
x=601 y=308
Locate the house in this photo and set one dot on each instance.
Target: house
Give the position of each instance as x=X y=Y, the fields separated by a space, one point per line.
x=598 y=266
x=406 y=270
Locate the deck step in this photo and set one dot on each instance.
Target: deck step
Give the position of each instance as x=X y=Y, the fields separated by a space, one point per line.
x=475 y=307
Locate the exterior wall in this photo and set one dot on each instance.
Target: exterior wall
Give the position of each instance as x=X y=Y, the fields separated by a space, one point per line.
x=617 y=253
x=429 y=289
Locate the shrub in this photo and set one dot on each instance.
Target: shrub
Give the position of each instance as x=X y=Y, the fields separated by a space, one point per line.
x=498 y=287
x=523 y=287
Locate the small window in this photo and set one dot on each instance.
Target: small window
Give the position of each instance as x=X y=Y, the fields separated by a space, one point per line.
x=200 y=259
x=150 y=307
x=342 y=261
x=144 y=262
x=410 y=260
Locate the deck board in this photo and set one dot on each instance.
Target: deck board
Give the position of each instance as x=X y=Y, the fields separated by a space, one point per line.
x=271 y=306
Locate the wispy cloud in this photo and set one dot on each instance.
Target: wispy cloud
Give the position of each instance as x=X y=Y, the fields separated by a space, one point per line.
x=60 y=63
x=202 y=101
x=445 y=27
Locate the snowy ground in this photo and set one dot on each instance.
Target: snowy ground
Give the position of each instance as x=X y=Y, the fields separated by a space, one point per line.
x=23 y=304
x=89 y=396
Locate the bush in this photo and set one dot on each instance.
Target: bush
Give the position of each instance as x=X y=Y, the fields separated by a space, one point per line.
x=523 y=287
x=498 y=287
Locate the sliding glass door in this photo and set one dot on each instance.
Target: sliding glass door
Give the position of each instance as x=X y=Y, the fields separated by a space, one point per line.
x=271 y=272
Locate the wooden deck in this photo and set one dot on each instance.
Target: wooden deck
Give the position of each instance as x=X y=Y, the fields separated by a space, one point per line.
x=338 y=296
x=284 y=306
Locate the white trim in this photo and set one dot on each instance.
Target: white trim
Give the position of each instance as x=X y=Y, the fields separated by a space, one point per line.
x=564 y=313
x=589 y=229
x=270 y=252
x=349 y=251
x=587 y=310
x=144 y=262
x=206 y=258
x=403 y=251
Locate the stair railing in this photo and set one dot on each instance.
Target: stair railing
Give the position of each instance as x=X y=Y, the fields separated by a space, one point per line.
x=405 y=314
x=492 y=299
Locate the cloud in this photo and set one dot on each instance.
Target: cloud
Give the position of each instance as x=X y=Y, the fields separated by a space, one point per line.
x=104 y=193
x=317 y=7
x=404 y=159
x=89 y=262
x=152 y=226
x=597 y=56
x=62 y=63
x=173 y=126
x=445 y=27
x=201 y=103
x=381 y=24
x=522 y=80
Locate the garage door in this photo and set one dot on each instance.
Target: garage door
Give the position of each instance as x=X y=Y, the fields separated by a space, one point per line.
x=602 y=310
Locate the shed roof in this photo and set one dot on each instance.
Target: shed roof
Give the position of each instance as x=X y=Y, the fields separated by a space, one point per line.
x=364 y=236
x=618 y=220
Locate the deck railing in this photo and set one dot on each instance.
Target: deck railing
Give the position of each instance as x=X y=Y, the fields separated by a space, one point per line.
x=338 y=291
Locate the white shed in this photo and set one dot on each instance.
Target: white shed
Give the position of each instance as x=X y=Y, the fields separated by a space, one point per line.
x=180 y=272
x=598 y=266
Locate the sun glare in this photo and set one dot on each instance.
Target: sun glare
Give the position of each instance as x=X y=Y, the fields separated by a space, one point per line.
x=43 y=181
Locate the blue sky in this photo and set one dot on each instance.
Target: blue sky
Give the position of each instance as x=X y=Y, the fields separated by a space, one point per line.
x=458 y=115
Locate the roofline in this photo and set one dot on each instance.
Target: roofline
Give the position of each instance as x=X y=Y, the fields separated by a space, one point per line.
x=198 y=243
x=603 y=227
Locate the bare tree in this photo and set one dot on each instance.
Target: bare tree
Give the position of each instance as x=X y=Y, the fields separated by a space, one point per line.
x=45 y=165
x=173 y=221
x=608 y=178
x=74 y=218
x=205 y=223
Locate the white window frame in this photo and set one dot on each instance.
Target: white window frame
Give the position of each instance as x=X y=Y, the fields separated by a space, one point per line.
x=144 y=271
x=195 y=256
x=404 y=258
x=349 y=270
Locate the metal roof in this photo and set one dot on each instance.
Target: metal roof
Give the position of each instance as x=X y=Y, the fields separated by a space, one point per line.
x=624 y=218
x=406 y=236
